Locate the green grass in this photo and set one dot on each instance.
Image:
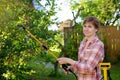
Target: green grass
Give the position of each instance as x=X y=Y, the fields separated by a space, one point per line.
x=115 y=71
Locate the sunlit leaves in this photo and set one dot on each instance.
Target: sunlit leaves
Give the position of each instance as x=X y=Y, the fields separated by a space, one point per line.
x=16 y=48
x=103 y=9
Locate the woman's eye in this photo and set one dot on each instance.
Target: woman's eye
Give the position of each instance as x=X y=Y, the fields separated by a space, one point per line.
x=90 y=26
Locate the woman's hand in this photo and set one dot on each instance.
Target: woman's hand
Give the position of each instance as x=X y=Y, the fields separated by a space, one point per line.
x=65 y=60
x=67 y=70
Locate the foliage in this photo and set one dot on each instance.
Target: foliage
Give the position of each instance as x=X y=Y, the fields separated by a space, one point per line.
x=16 y=48
x=74 y=39
x=10 y=55
x=106 y=10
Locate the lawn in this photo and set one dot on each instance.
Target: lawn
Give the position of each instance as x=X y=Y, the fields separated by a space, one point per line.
x=115 y=71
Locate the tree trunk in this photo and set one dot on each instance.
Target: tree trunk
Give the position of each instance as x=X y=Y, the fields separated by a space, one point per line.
x=56 y=63
x=56 y=67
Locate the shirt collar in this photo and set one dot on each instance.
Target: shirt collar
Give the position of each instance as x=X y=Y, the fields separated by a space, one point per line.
x=95 y=38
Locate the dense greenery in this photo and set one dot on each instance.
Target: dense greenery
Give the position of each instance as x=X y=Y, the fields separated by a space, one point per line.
x=16 y=48
x=108 y=11
x=73 y=43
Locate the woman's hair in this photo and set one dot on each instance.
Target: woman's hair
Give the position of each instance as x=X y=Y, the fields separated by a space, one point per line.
x=93 y=20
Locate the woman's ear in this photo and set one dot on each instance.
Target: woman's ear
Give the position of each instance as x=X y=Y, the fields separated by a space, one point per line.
x=96 y=30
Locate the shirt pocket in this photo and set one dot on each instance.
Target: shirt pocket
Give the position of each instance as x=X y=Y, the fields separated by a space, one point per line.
x=88 y=51
x=87 y=54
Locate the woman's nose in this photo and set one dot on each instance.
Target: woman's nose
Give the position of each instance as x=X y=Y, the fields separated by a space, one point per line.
x=85 y=28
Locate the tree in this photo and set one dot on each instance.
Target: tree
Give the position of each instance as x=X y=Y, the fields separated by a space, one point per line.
x=16 y=48
x=107 y=11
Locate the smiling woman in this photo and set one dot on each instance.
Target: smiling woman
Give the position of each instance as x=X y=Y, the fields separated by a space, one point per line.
x=90 y=26
x=90 y=53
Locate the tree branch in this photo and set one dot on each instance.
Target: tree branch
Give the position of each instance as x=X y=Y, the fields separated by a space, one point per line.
x=116 y=18
x=75 y=17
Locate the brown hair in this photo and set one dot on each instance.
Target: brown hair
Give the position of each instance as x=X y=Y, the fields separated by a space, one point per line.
x=93 y=20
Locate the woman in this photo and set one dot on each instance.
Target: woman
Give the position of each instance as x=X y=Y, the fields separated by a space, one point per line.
x=90 y=53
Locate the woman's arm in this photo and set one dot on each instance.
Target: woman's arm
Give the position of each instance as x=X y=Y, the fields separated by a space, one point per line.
x=64 y=60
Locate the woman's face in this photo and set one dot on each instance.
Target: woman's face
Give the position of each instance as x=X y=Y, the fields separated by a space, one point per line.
x=89 y=30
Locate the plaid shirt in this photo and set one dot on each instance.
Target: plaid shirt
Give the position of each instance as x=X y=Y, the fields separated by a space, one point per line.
x=89 y=56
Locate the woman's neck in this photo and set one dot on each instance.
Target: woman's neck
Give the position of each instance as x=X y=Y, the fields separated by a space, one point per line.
x=89 y=38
